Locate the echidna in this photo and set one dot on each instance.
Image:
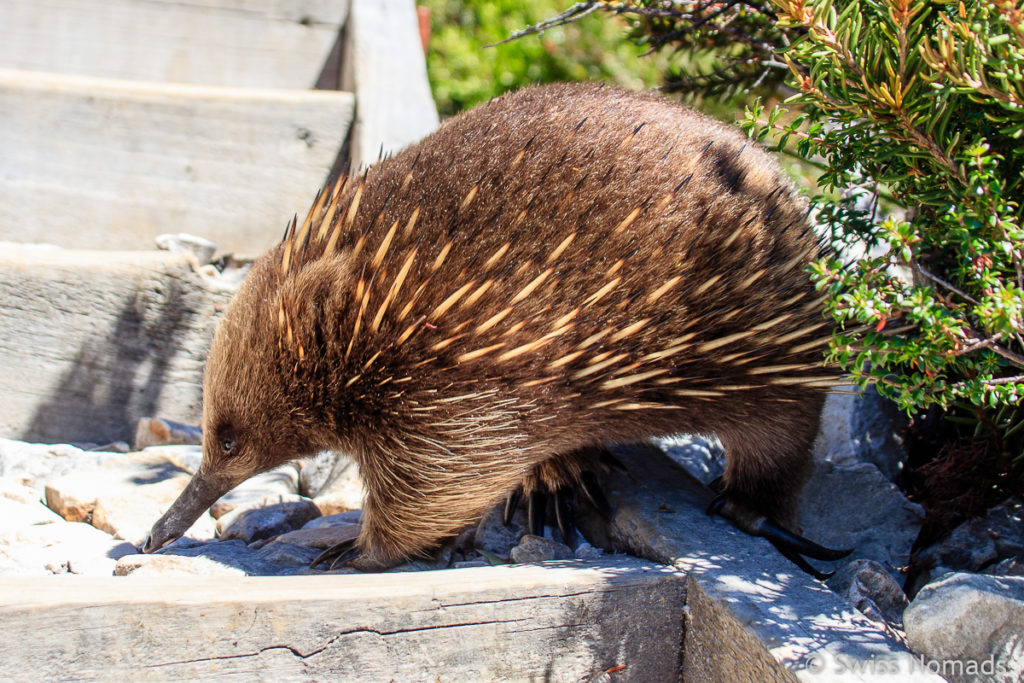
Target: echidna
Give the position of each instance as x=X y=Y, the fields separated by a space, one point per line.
x=564 y=267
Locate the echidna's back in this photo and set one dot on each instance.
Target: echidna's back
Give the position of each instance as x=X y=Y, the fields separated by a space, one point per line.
x=606 y=253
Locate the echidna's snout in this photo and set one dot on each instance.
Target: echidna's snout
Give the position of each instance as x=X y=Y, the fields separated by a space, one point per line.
x=199 y=495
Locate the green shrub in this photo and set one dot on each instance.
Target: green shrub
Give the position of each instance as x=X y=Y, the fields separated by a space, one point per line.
x=913 y=111
x=923 y=102
x=463 y=71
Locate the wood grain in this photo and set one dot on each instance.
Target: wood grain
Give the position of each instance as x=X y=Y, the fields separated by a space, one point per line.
x=560 y=621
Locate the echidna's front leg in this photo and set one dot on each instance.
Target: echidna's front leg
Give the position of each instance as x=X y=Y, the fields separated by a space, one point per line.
x=560 y=478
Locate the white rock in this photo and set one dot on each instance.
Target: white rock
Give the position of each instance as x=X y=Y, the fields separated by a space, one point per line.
x=60 y=547
x=16 y=515
x=968 y=627
x=186 y=456
x=538 y=549
x=124 y=496
x=35 y=463
x=155 y=431
x=200 y=248
x=342 y=491
x=172 y=565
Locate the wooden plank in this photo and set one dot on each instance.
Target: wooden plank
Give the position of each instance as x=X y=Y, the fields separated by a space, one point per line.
x=559 y=621
x=384 y=66
x=95 y=340
x=94 y=163
x=251 y=43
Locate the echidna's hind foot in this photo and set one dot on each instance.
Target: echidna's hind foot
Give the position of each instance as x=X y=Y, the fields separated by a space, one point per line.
x=557 y=481
x=791 y=545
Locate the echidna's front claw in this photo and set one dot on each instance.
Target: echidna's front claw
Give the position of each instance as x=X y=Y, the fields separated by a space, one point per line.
x=537 y=508
x=337 y=554
x=595 y=494
x=564 y=515
x=511 y=503
x=791 y=545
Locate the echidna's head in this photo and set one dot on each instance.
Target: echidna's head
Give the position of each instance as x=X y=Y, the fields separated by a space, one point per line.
x=252 y=421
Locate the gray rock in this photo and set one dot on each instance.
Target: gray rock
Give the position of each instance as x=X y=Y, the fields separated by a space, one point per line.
x=585 y=551
x=979 y=542
x=1012 y=566
x=856 y=507
x=234 y=553
x=287 y=554
x=494 y=537
x=870 y=588
x=465 y=542
x=471 y=563
x=970 y=627
x=537 y=549
x=199 y=248
x=279 y=483
x=701 y=457
x=321 y=537
x=271 y=518
x=440 y=559
x=337 y=519
x=862 y=427
x=154 y=431
x=878 y=427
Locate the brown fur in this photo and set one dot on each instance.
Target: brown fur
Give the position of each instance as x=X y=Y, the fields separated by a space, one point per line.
x=562 y=267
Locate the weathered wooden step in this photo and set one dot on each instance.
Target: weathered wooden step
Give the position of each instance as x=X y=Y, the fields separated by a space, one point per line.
x=254 y=44
x=94 y=340
x=560 y=622
x=100 y=163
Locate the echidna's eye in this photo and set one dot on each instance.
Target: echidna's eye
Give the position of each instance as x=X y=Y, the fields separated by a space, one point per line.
x=227 y=444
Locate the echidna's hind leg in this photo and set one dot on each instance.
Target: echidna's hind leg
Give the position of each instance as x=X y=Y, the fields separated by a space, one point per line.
x=767 y=463
x=558 y=480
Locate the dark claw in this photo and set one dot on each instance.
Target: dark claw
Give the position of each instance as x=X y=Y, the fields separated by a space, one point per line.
x=796 y=559
x=564 y=516
x=338 y=553
x=612 y=462
x=511 y=503
x=776 y=534
x=715 y=506
x=591 y=488
x=792 y=546
x=535 y=512
x=717 y=484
